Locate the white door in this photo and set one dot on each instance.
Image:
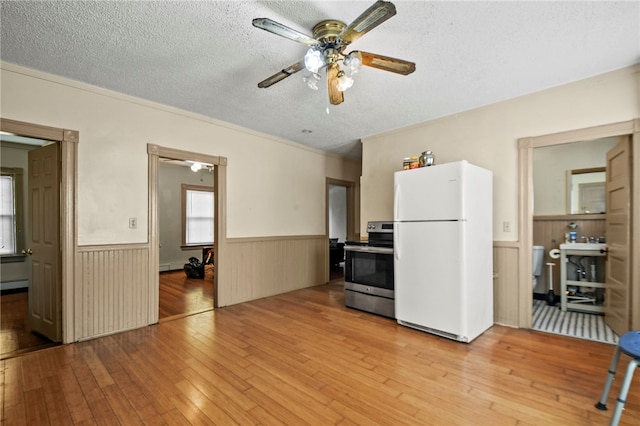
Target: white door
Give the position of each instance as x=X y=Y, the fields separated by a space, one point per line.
x=45 y=307
x=618 y=269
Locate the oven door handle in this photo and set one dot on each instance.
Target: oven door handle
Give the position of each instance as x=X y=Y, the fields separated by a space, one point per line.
x=368 y=249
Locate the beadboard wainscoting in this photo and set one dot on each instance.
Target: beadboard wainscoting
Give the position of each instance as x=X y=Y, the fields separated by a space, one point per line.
x=261 y=267
x=505 y=284
x=112 y=289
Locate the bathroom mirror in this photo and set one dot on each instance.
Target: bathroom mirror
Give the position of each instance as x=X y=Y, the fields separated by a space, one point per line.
x=586 y=190
x=553 y=168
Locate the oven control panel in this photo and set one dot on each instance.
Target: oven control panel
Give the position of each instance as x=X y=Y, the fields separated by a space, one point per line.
x=381 y=226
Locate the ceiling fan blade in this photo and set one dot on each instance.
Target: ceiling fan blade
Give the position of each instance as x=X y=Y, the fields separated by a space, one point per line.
x=281 y=75
x=387 y=63
x=379 y=12
x=284 y=31
x=336 y=97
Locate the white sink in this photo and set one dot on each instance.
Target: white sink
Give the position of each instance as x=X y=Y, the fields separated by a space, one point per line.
x=583 y=246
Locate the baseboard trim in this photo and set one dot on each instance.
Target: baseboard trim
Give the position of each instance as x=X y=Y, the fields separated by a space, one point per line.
x=14 y=291
x=14 y=285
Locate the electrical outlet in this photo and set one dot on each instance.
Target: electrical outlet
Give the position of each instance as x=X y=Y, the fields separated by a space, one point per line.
x=506 y=226
x=133 y=223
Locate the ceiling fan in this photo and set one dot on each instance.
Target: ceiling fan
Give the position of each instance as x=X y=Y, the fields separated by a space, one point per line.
x=326 y=49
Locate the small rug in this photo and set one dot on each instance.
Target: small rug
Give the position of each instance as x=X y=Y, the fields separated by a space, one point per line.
x=551 y=319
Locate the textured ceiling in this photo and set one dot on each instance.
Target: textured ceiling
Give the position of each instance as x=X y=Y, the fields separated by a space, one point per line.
x=207 y=58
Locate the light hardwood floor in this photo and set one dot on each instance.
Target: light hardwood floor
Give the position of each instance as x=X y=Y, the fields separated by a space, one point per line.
x=16 y=336
x=303 y=358
x=180 y=296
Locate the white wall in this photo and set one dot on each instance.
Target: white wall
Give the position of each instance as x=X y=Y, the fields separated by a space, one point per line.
x=488 y=137
x=274 y=187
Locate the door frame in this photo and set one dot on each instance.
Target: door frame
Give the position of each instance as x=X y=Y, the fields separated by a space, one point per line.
x=220 y=223
x=525 y=205
x=68 y=142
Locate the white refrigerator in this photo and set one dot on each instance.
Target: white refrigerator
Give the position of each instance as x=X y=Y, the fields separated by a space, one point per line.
x=443 y=249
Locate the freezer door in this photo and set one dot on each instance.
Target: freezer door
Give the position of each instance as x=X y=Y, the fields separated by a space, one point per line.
x=428 y=193
x=428 y=265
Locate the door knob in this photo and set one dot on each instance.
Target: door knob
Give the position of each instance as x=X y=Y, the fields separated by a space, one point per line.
x=27 y=251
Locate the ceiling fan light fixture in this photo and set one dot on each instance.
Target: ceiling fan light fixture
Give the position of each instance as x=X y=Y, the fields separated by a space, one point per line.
x=313 y=60
x=312 y=80
x=344 y=81
x=326 y=51
x=352 y=63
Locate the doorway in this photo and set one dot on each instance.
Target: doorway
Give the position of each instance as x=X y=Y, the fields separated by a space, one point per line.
x=340 y=223
x=219 y=173
x=337 y=231
x=186 y=233
x=56 y=293
x=559 y=174
x=629 y=129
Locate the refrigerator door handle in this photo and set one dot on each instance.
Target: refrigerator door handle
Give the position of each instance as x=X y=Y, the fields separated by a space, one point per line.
x=396 y=238
x=396 y=203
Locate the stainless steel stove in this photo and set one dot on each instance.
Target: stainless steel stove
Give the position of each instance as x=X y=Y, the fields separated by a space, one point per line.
x=369 y=284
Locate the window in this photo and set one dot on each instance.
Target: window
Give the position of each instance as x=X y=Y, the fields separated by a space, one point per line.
x=198 y=215
x=10 y=210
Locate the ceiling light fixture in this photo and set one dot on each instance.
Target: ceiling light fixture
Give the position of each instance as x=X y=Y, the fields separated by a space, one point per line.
x=196 y=166
x=326 y=50
x=353 y=62
x=312 y=80
x=344 y=81
x=314 y=60
x=330 y=56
